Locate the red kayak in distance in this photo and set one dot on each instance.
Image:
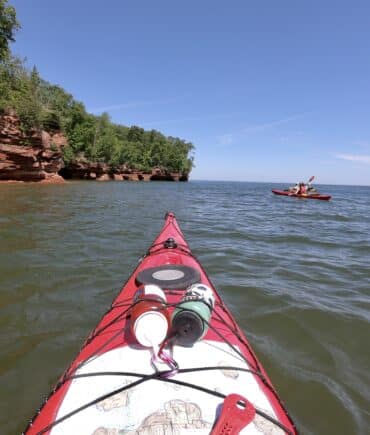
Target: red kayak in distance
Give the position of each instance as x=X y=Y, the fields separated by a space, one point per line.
x=304 y=195
x=133 y=376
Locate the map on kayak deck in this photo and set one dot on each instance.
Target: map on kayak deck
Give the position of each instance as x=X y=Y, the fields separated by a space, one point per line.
x=169 y=409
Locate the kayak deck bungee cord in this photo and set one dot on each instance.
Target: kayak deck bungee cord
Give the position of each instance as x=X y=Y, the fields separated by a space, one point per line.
x=166 y=358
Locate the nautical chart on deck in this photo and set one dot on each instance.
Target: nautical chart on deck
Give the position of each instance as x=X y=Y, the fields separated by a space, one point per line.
x=160 y=408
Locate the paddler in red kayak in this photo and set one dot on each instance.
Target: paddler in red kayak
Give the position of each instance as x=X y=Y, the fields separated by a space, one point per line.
x=302 y=189
x=299 y=189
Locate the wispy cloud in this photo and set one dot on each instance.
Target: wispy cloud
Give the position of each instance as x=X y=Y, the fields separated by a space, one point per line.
x=173 y=121
x=193 y=118
x=132 y=104
x=354 y=158
x=267 y=125
x=118 y=106
x=225 y=139
x=229 y=138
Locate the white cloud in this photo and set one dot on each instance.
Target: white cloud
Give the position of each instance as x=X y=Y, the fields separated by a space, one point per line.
x=131 y=104
x=172 y=121
x=229 y=138
x=354 y=158
x=225 y=139
x=119 y=106
x=268 y=125
x=194 y=118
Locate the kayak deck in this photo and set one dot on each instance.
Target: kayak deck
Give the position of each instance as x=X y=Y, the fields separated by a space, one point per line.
x=113 y=387
x=305 y=195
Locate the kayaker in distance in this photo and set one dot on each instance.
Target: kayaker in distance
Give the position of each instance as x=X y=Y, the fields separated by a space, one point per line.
x=302 y=188
x=299 y=188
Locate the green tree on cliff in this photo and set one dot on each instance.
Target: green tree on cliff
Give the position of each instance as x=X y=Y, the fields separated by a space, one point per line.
x=8 y=26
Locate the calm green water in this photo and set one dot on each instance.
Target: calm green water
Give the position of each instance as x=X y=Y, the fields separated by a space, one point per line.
x=295 y=273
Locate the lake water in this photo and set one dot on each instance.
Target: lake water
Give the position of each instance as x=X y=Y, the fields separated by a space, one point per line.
x=295 y=273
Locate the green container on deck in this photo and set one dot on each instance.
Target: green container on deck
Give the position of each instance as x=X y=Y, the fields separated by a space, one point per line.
x=190 y=321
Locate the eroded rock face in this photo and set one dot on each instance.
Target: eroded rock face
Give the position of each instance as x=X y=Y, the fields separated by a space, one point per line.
x=84 y=170
x=38 y=156
x=33 y=157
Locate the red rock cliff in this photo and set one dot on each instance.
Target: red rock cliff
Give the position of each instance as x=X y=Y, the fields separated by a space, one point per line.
x=36 y=156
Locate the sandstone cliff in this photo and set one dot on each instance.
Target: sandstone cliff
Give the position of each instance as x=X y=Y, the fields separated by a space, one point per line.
x=37 y=156
x=83 y=169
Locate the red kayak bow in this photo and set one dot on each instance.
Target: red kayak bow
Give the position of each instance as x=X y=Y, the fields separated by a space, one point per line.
x=115 y=385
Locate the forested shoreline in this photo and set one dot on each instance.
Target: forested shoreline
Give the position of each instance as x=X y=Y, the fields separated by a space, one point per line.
x=41 y=105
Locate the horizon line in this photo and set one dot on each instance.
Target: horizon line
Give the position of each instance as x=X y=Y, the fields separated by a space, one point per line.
x=275 y=182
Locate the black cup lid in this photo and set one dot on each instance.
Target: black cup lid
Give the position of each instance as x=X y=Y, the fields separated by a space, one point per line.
x=188 y=327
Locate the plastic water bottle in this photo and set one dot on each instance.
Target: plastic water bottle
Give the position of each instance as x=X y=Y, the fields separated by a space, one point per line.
x=150 y=318
x=191 y=317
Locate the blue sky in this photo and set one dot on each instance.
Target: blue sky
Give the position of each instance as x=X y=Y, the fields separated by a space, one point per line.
x=266 y=90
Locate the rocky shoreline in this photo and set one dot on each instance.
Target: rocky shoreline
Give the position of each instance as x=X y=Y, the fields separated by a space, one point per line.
x=38 y=157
